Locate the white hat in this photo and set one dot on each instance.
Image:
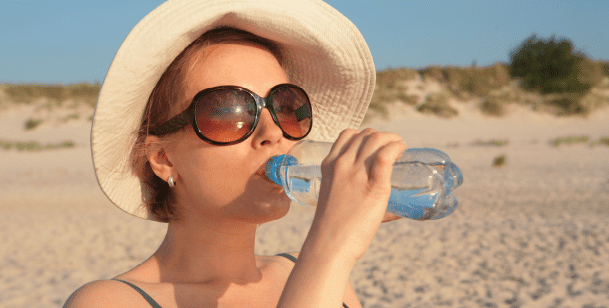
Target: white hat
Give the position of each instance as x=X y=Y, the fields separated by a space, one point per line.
x=326 y=54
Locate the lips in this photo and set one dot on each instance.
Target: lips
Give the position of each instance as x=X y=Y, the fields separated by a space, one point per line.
x=262 y=173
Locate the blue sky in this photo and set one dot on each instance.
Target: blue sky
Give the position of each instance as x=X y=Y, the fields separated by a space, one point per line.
x=75 y=41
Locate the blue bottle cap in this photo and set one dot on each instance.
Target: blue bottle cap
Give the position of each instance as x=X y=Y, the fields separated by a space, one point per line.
x=272 y=166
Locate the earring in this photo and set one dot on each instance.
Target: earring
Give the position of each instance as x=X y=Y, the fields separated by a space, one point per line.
x=170 y=181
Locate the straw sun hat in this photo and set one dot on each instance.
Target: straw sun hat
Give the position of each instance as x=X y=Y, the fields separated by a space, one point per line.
x=326 y=55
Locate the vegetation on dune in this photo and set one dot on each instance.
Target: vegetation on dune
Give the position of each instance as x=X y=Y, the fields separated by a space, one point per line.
x=495 y=143
x=552 y=67
x=466 y=82
x=499 y=161
x=570 y=140
x=601 y=141
x=56 y=94
x=33 y=146
x=579 y=140
x=437 y=103
x=546 y=74
x=493 y=106
x=30 y=124
x=390 y=88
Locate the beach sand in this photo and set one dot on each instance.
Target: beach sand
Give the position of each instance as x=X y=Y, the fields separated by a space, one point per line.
x=533 y=233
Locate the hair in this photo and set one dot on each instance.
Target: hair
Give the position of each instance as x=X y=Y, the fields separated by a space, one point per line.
x=166 y=97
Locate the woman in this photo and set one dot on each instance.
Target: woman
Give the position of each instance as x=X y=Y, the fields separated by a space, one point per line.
x=199 y=96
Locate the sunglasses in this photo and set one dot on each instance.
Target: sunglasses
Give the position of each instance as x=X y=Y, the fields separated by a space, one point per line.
x=229 y=114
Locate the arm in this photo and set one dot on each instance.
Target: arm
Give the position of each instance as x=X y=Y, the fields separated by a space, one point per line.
x=353 y=198
x=350 y=298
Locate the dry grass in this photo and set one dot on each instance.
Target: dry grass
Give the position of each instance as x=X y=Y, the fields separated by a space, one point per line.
x=73 y=116
x=601 y=141
x=33 y=146
x=466 y=82
x=494 y=143
x=570 y=140
x=437 y=103
x=31 y=124
x=499 y=161
x=493 y=106
x=390 y=88
x=56 y=95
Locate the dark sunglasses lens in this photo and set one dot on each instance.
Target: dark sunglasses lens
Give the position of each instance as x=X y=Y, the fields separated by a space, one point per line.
x=226 y=115
x=293 y=111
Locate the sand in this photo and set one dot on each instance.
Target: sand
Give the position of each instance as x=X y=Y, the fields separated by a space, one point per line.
x=534 y=233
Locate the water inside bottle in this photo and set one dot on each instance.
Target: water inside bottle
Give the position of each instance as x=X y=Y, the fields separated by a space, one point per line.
x=303 y=183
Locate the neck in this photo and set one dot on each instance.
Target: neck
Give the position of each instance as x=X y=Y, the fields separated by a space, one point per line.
x=208 y=252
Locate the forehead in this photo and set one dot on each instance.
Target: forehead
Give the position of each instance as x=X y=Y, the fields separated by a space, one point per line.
x=246 y=65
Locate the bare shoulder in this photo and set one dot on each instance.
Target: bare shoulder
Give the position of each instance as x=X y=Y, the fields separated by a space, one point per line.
x=105 y=293
x=350 y=300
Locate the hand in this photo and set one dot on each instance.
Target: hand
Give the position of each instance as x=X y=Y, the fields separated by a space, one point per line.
x=390 y=217
x=355 y=189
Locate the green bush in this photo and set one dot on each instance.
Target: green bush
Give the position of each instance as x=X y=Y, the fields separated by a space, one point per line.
x=437 y=103
x=568 y=104
x=552 y=66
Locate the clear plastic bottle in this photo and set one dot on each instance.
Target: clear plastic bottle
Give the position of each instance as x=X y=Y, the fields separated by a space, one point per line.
x=422 y=181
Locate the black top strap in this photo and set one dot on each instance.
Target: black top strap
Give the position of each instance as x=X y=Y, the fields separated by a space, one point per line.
x=146 y=296
x=293 y=259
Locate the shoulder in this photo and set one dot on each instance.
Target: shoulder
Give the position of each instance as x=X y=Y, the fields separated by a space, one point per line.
x=105 y=293
x=350 y=297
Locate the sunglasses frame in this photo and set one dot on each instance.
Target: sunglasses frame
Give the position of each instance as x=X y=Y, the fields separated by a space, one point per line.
x=188 y=116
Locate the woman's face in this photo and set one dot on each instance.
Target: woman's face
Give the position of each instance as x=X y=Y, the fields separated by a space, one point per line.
x=226 y=181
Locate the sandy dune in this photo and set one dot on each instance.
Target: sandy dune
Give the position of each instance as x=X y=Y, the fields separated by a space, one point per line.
x=534 y=233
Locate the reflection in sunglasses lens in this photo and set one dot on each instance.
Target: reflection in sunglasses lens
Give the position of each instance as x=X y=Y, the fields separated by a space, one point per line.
x=225 y=116
x=292 y=111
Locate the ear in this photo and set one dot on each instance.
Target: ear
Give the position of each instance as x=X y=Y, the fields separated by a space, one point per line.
x=159 y=162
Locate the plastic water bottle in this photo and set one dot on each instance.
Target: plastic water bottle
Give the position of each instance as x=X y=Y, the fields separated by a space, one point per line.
x=422 y=181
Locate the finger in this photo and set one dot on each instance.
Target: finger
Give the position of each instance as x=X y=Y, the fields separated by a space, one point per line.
x=382 y=164
x=352 y=149
x=348 y=144
x=390 y=217
x=343 y=138
x=372 y=144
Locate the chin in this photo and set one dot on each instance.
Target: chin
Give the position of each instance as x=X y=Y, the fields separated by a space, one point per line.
x=269 y=211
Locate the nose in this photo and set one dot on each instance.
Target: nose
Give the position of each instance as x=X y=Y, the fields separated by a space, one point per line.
x=267 y=132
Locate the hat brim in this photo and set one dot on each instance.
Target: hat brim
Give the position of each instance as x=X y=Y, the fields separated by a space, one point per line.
x=325 y=53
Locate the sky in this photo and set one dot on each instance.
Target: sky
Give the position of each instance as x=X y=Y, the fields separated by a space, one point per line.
x=68 y=42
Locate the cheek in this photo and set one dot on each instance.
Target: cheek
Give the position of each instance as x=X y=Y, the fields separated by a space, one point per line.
x=213 y=175
x=215 y=171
